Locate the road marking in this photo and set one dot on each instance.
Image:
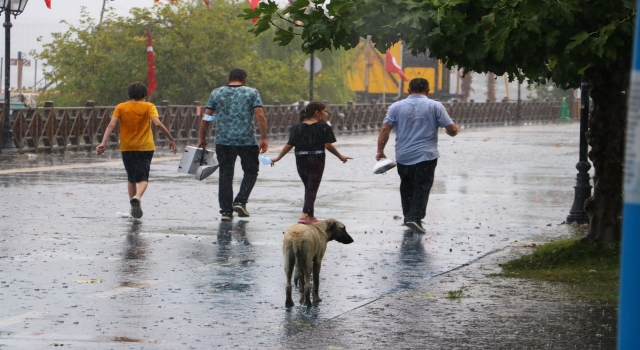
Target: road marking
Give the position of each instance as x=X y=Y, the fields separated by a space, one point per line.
x=77 y=166
x=17 y=319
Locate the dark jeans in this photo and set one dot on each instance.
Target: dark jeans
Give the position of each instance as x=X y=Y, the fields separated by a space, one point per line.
x=226 y=161
x=310 y=169
x=415 y=184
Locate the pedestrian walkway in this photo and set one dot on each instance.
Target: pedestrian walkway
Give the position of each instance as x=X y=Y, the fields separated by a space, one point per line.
x=492 y=312
x=75 y=271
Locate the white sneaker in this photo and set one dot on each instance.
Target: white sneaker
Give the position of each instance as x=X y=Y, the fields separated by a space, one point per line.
x=416 y=226
x=136 y=207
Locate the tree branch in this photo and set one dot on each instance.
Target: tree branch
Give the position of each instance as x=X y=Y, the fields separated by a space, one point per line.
x=273 y=24
x=288 y=20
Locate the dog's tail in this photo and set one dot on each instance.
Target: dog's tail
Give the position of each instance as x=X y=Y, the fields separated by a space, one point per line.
x=300 y=258
x=299 y=253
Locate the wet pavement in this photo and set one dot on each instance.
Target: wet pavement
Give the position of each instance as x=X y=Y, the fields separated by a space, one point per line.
x=76 y=271
x=493 y=313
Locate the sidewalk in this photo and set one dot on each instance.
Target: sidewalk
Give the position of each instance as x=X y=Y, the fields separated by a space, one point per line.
x=494 y=313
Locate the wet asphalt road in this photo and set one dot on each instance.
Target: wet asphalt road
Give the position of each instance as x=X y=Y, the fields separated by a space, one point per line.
x=74 y=270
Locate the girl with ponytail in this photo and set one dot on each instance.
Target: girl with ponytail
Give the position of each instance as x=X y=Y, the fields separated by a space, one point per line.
x=310 y=138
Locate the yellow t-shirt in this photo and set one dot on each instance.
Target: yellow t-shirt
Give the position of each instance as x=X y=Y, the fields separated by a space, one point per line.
x=135 y=125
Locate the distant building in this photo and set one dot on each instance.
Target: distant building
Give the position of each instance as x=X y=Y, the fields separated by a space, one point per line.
x=367 y=76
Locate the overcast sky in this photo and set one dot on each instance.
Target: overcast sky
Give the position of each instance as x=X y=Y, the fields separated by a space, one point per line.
x=38 y=21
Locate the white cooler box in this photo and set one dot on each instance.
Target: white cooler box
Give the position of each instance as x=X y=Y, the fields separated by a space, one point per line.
x=190 y=161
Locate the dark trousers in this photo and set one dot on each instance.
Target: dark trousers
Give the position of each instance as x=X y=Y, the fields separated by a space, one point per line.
x=226 y=161
x=310 y=169
x=415 y=184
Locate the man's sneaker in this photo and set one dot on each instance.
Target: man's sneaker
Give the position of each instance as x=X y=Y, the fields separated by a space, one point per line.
x=416 y=226
x=226 y=217
x=241 y=210
x=136 y=208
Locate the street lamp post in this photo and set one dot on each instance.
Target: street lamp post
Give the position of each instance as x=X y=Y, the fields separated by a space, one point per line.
x=583 y=187
x=9 y=7
x=519 y=106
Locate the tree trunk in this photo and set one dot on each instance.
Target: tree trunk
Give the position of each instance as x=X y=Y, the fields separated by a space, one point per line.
x=606 y=136
x=491 y=87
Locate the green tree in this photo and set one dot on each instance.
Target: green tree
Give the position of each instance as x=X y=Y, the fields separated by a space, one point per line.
x=280 y=73
x=194 y=47
x=561 y=40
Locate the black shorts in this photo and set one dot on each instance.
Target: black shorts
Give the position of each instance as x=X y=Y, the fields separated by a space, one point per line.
x=137 y=164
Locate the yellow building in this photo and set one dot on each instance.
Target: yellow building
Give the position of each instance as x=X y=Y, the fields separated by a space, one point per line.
x=367 y=76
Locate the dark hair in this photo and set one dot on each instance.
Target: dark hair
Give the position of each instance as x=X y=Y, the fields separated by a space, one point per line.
x=418 y=85
x=310 y=110
x=137 y=91
x=237 y=74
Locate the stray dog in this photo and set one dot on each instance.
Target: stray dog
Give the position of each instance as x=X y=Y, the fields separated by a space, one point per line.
x=303 y=248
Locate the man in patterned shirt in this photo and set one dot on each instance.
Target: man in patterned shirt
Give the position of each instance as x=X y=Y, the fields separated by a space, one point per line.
x=237 y=108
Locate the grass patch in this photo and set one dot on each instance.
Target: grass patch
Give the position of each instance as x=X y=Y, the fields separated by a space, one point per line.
x=457 y=294
x=591 y=270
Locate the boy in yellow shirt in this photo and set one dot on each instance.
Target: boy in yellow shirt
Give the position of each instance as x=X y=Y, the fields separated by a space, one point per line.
x=136 y=141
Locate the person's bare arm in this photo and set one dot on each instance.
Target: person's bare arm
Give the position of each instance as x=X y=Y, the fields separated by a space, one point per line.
x=452 y=130
x=334 y=151
x=284 y=151
x=172 y=142
x=261 y=120
x=383 y=138
x=107 y=133
x=203 y=131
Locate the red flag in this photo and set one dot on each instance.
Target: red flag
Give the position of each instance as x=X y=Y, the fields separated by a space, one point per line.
x=206 y=2
x=392 y=66
x=152 y=65
x=48 y=2
x=254 y=4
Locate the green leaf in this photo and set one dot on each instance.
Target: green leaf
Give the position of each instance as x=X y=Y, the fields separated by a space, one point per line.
x=339 y=6
x=576 y=40
x=581 y=70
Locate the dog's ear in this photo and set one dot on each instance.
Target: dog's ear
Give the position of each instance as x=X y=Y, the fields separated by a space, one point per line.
x=330 y=225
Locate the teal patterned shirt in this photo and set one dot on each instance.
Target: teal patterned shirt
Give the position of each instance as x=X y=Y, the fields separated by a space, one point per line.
x=235 y=119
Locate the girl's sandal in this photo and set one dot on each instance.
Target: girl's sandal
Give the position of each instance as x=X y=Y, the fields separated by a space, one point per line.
x=304 y=222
